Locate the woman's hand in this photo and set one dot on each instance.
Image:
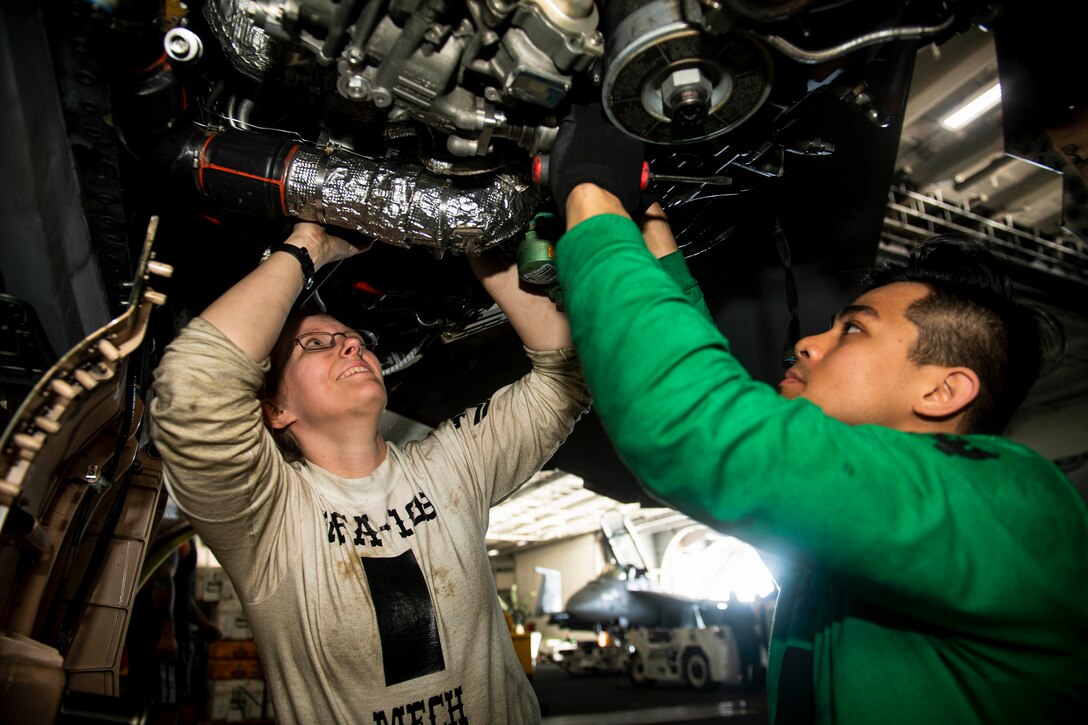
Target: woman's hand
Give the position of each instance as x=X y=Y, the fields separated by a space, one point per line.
x=252 y=312
x=532 y=314
x=322 y=246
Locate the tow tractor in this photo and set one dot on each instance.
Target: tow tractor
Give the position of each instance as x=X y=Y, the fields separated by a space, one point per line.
x=607 y=655
x=699 y=656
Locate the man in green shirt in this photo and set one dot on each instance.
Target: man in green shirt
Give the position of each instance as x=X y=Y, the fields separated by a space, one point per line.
x=939 y=570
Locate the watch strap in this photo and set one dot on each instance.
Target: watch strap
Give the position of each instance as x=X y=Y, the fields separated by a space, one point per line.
x=298 y=253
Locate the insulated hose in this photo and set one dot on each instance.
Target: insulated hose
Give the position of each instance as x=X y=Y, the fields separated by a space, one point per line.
x=391 y=200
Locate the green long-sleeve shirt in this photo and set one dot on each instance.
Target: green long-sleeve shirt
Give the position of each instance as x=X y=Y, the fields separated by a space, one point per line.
x=940 y=578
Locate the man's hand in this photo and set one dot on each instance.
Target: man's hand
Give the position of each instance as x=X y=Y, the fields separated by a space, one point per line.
x=590 y=150
x=656 y=231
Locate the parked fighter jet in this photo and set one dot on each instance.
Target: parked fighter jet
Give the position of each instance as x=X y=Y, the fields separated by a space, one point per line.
x=624 y=596
x=627 y=598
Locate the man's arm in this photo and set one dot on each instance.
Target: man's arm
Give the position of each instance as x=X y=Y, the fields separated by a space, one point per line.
x=657 y=233
x=589 y=200
x=883 y=511
x=659 y=239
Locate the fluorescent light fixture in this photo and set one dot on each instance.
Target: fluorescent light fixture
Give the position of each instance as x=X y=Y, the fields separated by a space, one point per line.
x=974 y=108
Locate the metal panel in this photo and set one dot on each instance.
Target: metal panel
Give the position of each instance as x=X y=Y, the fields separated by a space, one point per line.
x=45 y=248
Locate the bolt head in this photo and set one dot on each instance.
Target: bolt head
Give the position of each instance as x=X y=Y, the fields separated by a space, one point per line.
x=353 y=86
x=686 y=96
x=183 y=45
x=357 y=87
x=686 y=76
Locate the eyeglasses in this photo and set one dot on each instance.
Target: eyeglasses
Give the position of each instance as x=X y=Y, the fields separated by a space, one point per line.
x=317 y=341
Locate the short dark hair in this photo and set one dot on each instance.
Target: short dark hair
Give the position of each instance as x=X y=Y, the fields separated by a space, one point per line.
x=972 y=318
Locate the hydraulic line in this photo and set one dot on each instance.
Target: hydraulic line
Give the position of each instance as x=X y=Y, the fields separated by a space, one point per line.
x=819 y=56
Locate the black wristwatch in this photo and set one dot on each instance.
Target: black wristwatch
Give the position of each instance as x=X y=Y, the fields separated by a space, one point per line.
x=298 y=253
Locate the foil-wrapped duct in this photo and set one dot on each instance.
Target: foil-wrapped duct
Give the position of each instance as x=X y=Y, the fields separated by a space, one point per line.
x=400 y=203
x=249 y=48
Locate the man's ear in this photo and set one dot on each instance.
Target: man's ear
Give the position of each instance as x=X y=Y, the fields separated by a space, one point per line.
x=953 y=390
x=274 y=416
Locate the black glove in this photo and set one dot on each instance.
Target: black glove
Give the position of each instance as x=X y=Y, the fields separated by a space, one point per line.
x=589 y=149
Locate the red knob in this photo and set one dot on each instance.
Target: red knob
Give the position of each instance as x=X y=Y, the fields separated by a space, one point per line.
x=540 y=170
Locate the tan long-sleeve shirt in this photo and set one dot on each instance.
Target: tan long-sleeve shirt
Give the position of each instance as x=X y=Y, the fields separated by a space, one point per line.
x=371 y=599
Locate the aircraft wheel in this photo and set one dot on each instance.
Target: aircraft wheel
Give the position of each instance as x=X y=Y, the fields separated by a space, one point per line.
x=697 y=670
x=637 y=672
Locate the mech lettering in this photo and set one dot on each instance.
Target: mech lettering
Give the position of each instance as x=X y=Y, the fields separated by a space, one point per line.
x=445 y=708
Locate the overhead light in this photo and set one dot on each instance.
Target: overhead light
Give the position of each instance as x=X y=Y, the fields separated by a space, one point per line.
x=493 y=552
x=973 y=108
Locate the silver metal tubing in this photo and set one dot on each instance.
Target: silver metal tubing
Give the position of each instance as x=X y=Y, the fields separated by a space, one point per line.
x=880 y=36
